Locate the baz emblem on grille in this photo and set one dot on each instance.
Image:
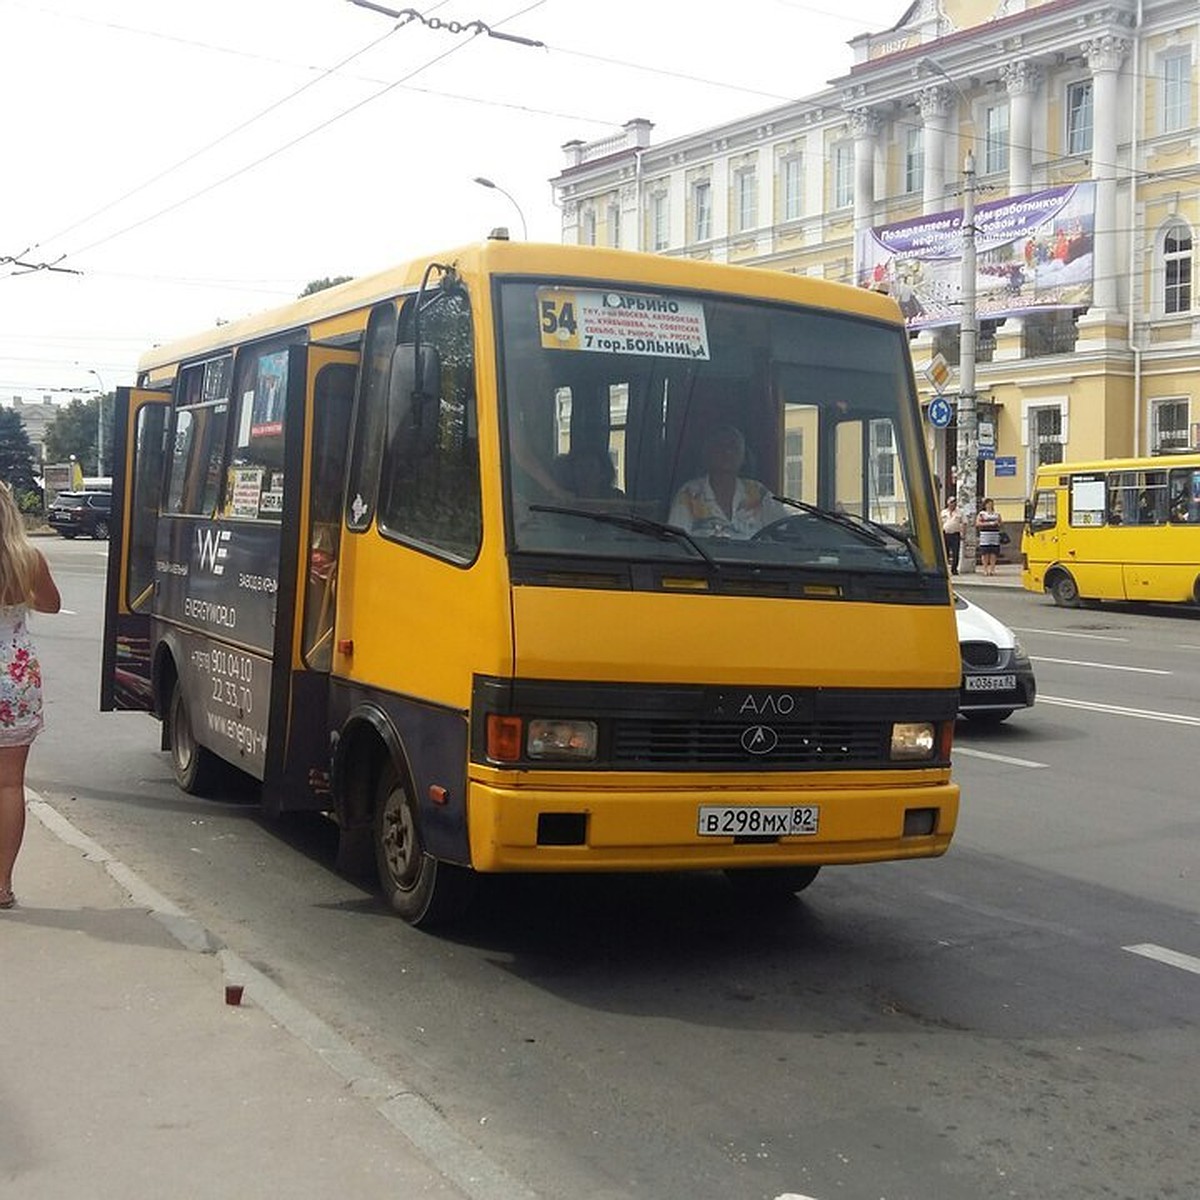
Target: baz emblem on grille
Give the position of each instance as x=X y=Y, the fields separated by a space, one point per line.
x=759 y=739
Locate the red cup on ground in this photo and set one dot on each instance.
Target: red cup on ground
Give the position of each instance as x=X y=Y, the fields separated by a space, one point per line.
x=233 y=993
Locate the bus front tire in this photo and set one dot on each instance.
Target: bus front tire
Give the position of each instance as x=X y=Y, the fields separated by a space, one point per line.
x=196 y=769
x=425 y=891
x=1064 y=591
x=771 y=884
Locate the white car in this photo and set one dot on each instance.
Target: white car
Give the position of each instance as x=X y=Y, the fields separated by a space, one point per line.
x=997 y=674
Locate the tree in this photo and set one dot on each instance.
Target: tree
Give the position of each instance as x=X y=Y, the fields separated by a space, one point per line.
x=73 y=432
x=319 y=285
x=16 y=460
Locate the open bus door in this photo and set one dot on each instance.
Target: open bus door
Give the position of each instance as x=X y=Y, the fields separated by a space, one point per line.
x=317 y=439
x=139 y=426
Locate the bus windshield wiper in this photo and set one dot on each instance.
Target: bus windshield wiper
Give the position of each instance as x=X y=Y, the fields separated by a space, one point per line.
x=873 y=531
x=637 y=524
x=845 y=520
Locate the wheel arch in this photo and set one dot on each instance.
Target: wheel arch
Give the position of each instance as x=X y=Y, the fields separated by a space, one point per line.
x=366 y=741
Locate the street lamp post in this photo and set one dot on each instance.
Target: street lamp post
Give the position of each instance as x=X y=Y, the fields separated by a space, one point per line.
x=968 y=411
x=99 y=422
x=487 y=183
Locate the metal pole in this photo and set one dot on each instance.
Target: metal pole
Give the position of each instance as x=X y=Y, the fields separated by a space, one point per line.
x=967 y=465
x=99 y=423
x=483 y=181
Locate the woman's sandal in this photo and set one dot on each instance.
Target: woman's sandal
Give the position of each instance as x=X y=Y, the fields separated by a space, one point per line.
x=7 y=900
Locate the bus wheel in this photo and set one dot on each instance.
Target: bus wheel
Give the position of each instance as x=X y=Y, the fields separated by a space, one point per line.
x=1064 y=591
x=196 y=769
x=771 y=884
x=423 y=890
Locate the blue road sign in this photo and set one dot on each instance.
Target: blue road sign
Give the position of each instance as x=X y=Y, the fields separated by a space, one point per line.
x=1006 y=465
x=941 y=412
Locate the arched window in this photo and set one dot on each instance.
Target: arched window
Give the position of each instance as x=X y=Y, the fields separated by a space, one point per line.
x=1177 y=268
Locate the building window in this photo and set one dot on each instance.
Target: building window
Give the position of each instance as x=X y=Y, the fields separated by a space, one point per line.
x=660 y=235
x=793 y=463
x=702 y=210
x=1177 y=269
x=1175 y=81
x=1053 y=332
x=843 y=175
x=745 y=184
x=587 y=233
x=1168 y=426
x=614 y=224
x=791 y=171
x=883 y=460
x=995 y=141
x=1079 y=117
x=914 y=160
x=1046 y=435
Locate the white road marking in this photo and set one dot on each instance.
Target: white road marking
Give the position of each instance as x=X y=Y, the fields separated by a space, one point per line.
x=1185 y=962
x=1095 y=637
x=1071 y=662
x=1000 y=758
x=1143 y=714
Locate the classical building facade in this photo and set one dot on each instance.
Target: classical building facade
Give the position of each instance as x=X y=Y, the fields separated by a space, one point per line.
x=1047 y=96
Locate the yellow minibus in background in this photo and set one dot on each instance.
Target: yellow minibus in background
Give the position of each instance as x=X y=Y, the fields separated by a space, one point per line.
x=547 y=558
x=1121 y=529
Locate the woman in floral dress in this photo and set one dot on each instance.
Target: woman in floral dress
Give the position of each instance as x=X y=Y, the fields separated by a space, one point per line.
x=25 y=584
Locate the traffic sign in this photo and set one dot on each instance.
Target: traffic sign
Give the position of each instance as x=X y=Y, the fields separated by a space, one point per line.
x=941 y=412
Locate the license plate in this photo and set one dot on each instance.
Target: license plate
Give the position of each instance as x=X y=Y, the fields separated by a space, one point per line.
x=758 y=821
x=991 y=683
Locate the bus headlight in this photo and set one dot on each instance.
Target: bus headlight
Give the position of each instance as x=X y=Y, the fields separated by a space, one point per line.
x=913 y=740
x=558 y=739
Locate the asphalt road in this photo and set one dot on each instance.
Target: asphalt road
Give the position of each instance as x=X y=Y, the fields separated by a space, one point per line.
x=1017 y=1019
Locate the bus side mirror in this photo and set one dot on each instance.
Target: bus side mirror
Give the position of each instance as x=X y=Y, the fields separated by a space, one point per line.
x=1028 y=511
x=414 y=397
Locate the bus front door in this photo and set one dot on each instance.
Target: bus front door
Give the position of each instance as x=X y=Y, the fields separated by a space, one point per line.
x=317 y=437
x=139 y=425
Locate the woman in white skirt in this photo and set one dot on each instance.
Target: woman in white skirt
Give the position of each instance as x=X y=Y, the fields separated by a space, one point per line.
x=25 y=584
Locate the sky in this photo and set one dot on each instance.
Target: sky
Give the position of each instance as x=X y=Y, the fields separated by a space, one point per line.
x=178 y=164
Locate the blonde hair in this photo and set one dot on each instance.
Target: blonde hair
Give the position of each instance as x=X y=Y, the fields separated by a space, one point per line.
x=18 y=558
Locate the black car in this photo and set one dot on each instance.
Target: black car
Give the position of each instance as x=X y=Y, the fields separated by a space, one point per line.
x=73 y=513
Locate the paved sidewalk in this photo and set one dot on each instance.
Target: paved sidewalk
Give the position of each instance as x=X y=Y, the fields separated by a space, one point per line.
x=125 y=1073
x=1008 y=575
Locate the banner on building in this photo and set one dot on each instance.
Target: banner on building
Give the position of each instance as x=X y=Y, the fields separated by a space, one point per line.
x=1031 y=252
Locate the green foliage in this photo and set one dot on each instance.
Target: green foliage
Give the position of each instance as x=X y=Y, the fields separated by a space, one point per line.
x=16 y=454
x=73 y=432
x=319 y=285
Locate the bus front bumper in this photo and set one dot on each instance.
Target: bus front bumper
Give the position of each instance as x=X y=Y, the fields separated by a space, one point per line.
x=543 y=829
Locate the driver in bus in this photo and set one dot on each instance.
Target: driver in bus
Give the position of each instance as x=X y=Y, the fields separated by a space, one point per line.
x=722 y=502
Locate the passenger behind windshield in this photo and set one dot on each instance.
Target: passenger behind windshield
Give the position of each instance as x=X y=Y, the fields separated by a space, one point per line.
x=722 y=502
x=587 y=474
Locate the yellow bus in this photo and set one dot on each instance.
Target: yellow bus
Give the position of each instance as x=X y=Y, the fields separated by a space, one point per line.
x=1121 y=529
x=543 y=558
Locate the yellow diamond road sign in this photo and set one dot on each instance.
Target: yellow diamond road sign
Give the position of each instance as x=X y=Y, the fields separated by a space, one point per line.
x=938 y=372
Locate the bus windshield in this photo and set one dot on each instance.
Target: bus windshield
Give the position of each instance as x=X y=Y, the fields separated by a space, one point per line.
x=682 y=427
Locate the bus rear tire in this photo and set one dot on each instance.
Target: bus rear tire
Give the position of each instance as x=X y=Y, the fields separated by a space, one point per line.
x=1064 y=590
x=197 y=770
x=425 y=891
x=771 y=885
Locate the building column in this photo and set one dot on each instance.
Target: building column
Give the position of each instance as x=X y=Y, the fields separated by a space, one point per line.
x=864 y=124
x=934 y=103
x=1022 y=79
x=1104 y=57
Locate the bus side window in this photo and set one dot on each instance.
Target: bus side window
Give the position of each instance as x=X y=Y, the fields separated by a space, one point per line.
x=1043 y=511
x=1185 y=497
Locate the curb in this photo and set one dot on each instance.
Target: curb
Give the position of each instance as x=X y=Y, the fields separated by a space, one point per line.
x=409 y=1113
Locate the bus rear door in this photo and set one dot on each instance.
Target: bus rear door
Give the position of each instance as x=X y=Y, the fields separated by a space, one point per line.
x=139 y=426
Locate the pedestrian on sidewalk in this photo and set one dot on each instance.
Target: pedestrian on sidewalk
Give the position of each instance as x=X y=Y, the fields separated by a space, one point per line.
x=25 y=584
x=952 y=530
x=987 y=522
